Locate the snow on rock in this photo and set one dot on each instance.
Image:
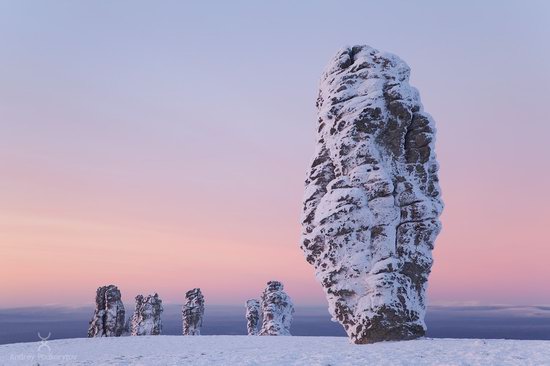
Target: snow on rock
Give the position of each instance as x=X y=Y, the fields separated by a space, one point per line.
x=192 y=312
x=277 y=310
x=372 y=200
x=253 y=317
x=268 y=351
x=146 y=319
x=108 y=318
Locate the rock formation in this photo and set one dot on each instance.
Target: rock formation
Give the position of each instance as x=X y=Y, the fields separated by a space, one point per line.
x=372 y=199
x=277 y=310
x=253 y=317
x=108 y=318
x=192 y=312
x=128 y=326
x=146 y=319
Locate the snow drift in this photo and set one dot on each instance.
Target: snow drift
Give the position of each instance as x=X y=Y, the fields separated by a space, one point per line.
x=245 y=350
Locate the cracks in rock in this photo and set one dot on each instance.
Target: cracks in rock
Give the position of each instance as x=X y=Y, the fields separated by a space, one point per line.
x=416 y=221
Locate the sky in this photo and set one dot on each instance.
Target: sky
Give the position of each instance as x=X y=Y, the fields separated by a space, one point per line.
x=162 y=146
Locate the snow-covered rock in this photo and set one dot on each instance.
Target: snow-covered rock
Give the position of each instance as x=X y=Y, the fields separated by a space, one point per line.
x=372 y=200
x=192 y=312
x=128 y=325
x=146 y=319
x=253 y=317
x=277 y=310
x=276 y=351
x=108 y=318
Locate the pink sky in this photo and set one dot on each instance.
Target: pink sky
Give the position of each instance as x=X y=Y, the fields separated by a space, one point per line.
x=151 y=159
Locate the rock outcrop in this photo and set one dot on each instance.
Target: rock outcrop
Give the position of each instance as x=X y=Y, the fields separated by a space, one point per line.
x=128 y=326
x=192 y=312
x=108 y=318
x=253 y=317
x=146 y=319
x=277 y=310
x=372 y=200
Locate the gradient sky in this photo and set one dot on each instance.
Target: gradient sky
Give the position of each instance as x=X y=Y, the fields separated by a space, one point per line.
x=163 y=145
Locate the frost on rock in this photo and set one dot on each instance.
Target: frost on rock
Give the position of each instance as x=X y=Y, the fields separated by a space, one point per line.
x=192 y=312
x=146 y=319
x=253 y=317
x=277 y=310
x=372 y=199
x=108 y=318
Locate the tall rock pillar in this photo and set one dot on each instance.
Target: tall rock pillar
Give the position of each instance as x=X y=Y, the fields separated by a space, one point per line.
x=253 y=317
x=146 y=319
x=108 y=318
x=372 y=199
x=193 y=312
x=277 y=310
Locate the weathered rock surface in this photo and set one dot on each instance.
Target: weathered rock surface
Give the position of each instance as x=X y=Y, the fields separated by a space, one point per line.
x=108 y=318
x=372 y=200
x=277 y=310
x=146 y=319
x=253 y=317
x=193 y=312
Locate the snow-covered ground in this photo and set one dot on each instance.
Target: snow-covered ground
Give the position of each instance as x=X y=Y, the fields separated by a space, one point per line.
x=253 y=350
